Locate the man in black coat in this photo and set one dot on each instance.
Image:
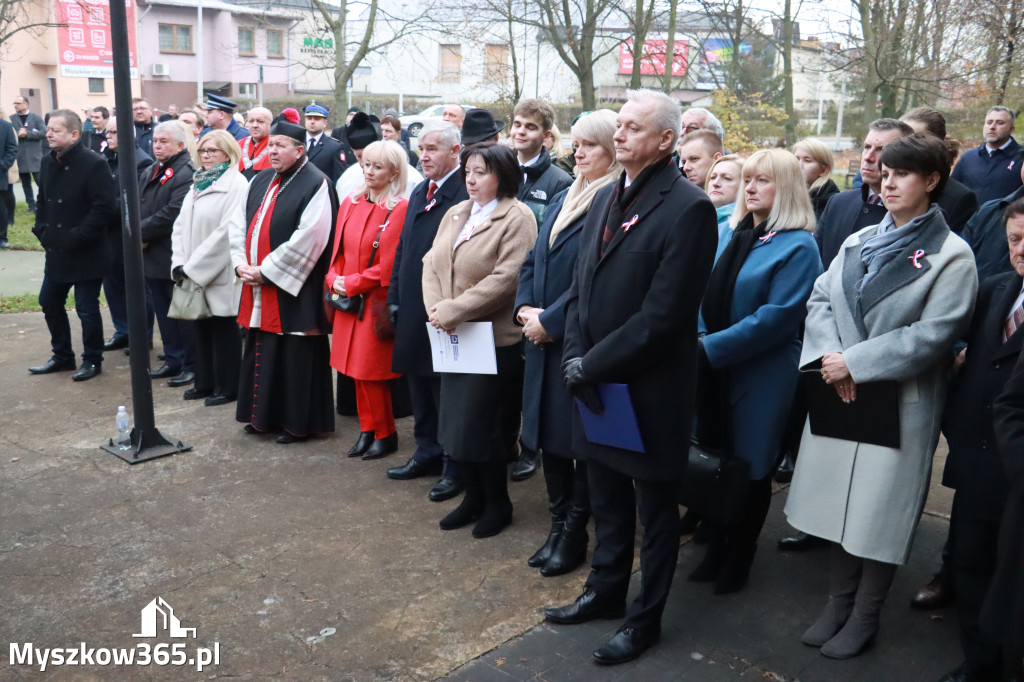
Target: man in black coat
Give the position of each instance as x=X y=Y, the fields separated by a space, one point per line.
x=77 y=207
x=322 y=150
x=646 y=251
x=443 y=188
x=162 y=189
x=8 y=155
x=974 y=468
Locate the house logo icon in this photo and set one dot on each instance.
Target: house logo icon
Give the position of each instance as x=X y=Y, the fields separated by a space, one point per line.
x=158 y=616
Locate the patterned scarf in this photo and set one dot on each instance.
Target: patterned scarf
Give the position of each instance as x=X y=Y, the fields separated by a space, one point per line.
x=204 y=178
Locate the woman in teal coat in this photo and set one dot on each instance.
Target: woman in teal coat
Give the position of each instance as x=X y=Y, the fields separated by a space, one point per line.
x=752 y=314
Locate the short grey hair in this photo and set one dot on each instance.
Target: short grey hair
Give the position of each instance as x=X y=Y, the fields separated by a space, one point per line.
x=666 y=115
x=1000 y=107
x=450 y=135
x=711 y=121
x=176 y=130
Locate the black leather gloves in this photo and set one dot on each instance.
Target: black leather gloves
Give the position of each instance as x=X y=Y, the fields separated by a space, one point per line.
x=580 y=386
x=393 y=314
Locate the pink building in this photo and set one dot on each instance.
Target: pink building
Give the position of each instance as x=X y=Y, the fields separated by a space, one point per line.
x=243 y=52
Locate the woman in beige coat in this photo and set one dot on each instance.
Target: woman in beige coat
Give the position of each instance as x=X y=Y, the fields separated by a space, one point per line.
x=200 y=254
x=471 y=274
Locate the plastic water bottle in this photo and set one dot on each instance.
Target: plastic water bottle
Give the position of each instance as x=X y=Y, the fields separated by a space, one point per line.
x=124 y=432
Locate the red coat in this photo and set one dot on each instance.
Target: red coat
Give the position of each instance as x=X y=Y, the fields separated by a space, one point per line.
x=356 y=350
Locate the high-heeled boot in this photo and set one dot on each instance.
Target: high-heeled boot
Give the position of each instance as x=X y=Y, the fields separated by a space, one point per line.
x=497 y=504
x=843 y=578
x=558 y=479
x=472 y=506
x=742 y=538
x=714 y=557
x=571 y=550
x=860 y=630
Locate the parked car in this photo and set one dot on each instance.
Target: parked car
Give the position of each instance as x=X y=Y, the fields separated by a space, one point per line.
x=413 y=122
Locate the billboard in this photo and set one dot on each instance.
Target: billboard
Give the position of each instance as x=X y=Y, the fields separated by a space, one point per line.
x=84 y=45
x=653 y=57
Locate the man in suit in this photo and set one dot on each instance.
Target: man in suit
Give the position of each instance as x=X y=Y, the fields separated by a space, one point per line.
x=162 y=189
x=31 y=131
x=991 y=168
x=8 y=155
x=77 y=207
x=442 y=189
x=646 y=251
x=322 y=150
x=974 y=467
x=142 y=119
x=96 y=139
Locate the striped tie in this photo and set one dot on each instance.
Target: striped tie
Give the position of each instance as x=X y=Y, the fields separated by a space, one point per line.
x=1013 y=322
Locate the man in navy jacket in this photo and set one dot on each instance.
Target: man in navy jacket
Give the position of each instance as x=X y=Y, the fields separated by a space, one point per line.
x=992 y=169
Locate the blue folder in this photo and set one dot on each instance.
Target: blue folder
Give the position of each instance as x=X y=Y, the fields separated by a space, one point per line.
x=616 y=426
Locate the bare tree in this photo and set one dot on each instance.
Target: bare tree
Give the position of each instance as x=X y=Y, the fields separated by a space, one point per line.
x=1002 y=22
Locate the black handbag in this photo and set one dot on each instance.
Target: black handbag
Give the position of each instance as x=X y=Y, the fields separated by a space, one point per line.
x=715 y=484
x=355 y=305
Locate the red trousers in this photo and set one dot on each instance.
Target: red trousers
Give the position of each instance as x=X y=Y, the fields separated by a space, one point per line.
x=373 y=403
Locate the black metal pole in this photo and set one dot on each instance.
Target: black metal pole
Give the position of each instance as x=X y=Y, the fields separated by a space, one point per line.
x=147 y=442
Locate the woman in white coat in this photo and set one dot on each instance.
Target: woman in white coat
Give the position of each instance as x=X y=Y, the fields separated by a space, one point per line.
x=890 y=307
x=200 y=253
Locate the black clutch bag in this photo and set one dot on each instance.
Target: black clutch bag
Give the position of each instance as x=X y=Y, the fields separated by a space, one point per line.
x=346 y=304
x=715 y=484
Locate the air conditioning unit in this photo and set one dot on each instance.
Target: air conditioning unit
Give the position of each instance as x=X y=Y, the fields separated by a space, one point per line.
x=161 y=70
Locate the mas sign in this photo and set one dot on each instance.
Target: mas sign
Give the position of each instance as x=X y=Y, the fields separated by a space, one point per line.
x=83 y=39
x=653 y=57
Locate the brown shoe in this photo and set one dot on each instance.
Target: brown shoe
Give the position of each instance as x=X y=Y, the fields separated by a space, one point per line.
x=935 y=595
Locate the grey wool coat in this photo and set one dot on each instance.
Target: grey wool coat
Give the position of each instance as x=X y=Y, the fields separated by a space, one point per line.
x=866 y=497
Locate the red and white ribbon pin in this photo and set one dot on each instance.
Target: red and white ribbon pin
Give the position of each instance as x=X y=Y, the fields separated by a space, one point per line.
x=168 y=174
x=430 y=205
x=767 y=237
x=630 y=223
x=916 y=258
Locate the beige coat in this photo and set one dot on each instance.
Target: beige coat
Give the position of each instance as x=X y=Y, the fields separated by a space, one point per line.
x=199 y=241
x=477 y=280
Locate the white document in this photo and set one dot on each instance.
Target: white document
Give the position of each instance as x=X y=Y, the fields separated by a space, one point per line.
x=469 y=349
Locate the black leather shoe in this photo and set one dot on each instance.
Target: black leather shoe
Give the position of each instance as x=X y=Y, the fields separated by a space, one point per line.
x=195 y=394
x=183 y=379
x=86 y=371
x=287 y=438
x=53 y=365
x=588 y=606
x=525 y=466
x=382 y=446
x=627 y=643
x=446 y=489
x=414 y=468
x=116 y=343
x=799 y=542
x=362 y=444
x=218 y=399
x=163 y=372
x=935 y=595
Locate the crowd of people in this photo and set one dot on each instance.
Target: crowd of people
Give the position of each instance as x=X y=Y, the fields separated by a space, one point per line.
x=720 y=288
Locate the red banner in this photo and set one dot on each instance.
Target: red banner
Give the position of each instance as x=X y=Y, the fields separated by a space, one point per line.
x=84 y=45
x=654 y=57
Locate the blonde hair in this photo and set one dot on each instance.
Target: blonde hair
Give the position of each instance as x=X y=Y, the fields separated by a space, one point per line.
x=224 y=142
x=189 y=139
x=821 y=153
x=598 y=126
x=393 y=154
x=556 y=151
x=728 y=158
x=792 y=206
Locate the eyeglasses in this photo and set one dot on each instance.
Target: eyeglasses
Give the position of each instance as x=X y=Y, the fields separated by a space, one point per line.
x=111 y=133
x=205 y=151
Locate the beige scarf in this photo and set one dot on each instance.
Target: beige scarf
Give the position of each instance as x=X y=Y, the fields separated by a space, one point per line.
x=578 y=200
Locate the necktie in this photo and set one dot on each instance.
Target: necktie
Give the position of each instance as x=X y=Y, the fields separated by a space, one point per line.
x=156 y=172
x=875 y=200
x=312 y=143
x=431 y=189
x=1013 y=322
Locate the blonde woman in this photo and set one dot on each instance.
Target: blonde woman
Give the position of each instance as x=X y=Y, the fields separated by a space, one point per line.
x=816 y=163
x=369 y=224
x=752 y=314
x=200 y=252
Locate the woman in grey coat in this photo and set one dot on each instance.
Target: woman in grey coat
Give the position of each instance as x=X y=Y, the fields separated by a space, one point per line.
x=890 y=307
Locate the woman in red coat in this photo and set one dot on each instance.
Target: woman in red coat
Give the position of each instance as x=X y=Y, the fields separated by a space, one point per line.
x=369 y=225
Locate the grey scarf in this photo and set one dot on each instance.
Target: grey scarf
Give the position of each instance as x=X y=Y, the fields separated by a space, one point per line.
x=888 y=242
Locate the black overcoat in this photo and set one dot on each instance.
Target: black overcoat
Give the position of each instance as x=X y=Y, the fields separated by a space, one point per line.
x=8 y=151
x=632 y=316
x=973 y=466
x=412 y=345
x=76 y=209
x=161 y=193
x=329 y=156
x=544 y=282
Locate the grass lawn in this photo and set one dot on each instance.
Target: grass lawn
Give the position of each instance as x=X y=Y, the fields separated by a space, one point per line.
x=20 y=236
x=29 y=303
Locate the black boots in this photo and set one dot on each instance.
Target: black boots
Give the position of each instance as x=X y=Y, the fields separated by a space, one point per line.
x=472 y=505
x=486 y=500
x=571 y=549
x=558 y=480
x=569 y=502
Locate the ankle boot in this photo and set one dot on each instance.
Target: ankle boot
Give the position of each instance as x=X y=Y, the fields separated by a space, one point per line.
x=843 y=578
x=472 y=505
x=739 y=557
x=714 y=557
x=862 y=627
x=558 y=479
x=571 y=550
x=362 y=444
x=497 y=506
x=742 y=538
